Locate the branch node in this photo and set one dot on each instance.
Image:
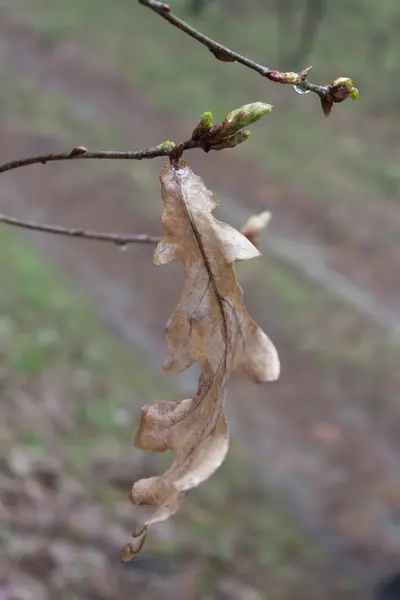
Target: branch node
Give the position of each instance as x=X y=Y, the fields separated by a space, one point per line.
x=304 y=73
x=78 y=150
x=176 y=154
x=165 y=7
x=221 y=55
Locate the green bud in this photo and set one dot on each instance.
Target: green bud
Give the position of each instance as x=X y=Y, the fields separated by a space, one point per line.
x=244 y=116
x=241 y=136
x=232 y=140
x=354 y=93
x=341 y=89
x=203 y=126
x=166 y=145
x=206 y=120
x=293 y=78
x=342 y=82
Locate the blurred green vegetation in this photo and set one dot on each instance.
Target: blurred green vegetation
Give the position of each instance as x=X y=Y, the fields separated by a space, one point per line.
x=46 y=324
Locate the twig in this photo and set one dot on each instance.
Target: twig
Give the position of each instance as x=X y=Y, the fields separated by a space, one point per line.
x=80 y=153
x=227 y=55
x=116 y=238
x=174 y=151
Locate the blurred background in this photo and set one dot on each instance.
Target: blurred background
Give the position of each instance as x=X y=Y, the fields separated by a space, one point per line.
x=307 y=505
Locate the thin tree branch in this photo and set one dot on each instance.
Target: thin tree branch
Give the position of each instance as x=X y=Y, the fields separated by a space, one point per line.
x=251 y=230
x=174 y=151
x=120 y=240
x=80 y=153
x=227 y=55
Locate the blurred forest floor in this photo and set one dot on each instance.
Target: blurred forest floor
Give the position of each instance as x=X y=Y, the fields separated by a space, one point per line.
x=323 y=441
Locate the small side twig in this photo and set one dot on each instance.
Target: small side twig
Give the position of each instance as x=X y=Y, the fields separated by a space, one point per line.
x=118 y=239
x=251 y=230
x=225 y=54
x=335 y=92
x=81 y=153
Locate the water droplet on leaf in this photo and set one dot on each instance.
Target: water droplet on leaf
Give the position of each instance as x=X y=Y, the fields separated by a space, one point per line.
x=180 y=172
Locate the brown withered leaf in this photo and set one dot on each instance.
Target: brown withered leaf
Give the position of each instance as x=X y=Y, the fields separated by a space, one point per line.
x=210 y=324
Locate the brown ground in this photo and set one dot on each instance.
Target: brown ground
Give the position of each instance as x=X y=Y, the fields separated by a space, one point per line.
x=333 y=461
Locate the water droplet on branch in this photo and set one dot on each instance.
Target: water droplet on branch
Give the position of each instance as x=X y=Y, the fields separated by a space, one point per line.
x=300 y=90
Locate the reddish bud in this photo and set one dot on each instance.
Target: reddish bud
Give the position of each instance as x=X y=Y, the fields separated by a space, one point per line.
x=304 y=73
x=280 y=77
x=78 y=150
x=327 y=103
x=342 y=88
x=222 y=55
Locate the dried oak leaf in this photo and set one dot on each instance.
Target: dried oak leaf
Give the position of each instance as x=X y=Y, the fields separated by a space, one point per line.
x=210 y=324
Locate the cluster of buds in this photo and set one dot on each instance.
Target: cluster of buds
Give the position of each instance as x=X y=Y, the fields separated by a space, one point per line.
x=341 y=89
x=231 y=131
